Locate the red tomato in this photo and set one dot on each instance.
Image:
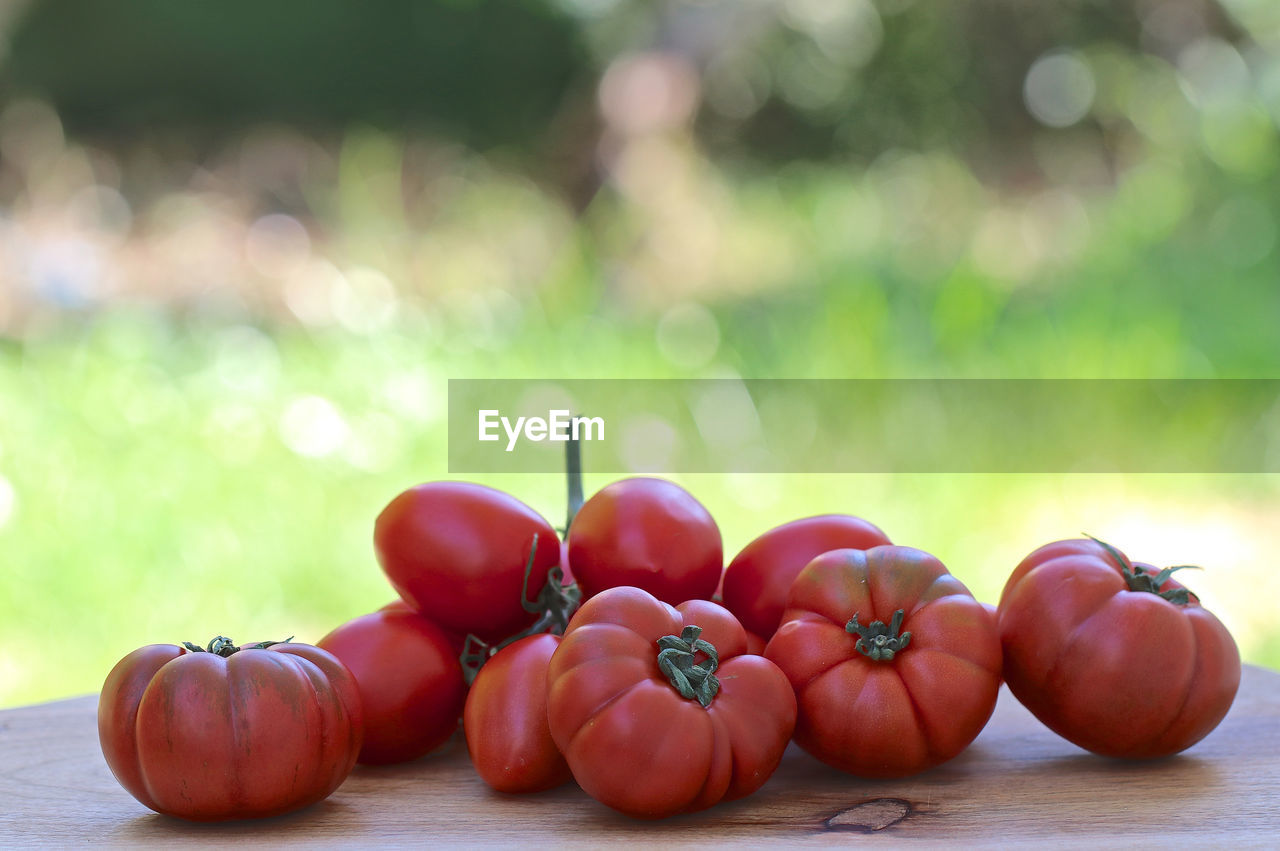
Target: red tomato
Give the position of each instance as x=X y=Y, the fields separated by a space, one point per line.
x=648 y=533
x=659 y=711
x=457 y=552
x=895 y=666
x=229 y=733
x=458 y=642
x=756 y=582
x=410 y=682
x=1114 y=655
x=505 y=719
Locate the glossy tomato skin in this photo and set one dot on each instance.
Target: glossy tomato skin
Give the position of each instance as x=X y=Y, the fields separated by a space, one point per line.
x=632 y=741
x=207 y=738
x=648 y=533
x=505 y=719
x=410 y=681
x=758 y=579
x=457 y=552
x=1118 y=672
x=456 y=640
x=886 y=718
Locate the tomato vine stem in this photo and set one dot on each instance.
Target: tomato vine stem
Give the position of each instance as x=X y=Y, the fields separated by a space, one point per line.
x=573 y=480
x=554 y=605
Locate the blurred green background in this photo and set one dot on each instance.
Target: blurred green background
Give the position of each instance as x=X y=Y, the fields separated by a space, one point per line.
x=243 y=246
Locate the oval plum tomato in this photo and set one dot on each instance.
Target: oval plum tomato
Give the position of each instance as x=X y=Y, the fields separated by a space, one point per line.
x=896 y=667
x=410 y=682
x=658 y=710
x=229 y=732
x=756 y=582
x=1114 y=655
x=458 y=552
x=648 y=533
x=505 y=719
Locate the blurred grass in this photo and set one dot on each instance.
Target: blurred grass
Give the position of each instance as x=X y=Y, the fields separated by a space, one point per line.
x=173 y=480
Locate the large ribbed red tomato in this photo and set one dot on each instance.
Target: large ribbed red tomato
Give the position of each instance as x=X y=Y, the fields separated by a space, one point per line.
x=895 y=665
x=229 y=733
x=410 y=680
x=458 y=553
x=648 y=533
x=659 y=710
x=756 y=582
x=1114 y=655
x=505 y=719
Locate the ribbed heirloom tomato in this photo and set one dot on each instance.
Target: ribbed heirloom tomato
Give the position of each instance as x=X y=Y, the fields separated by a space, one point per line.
x=648 y=533
x=458 y=552
x=659 y=711
x=756 y=582
x=229 y=732
x=896 y=667
x=1114 y=655
x=505 y=719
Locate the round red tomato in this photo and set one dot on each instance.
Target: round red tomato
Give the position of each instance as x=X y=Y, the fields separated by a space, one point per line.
x=895 y=665
x=458 y=553
x=458 y=642
x=229 y=732
x=505 y=719
x=410 y=682
x=756 y=582
x=659 y=711
x=648 y=533
x=1114 y=655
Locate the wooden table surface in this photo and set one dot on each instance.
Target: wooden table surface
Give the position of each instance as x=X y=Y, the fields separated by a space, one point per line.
x=1017 y=785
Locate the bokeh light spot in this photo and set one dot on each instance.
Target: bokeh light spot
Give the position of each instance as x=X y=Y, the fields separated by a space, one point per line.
x=1212 y=71
x=645 y=92
x=1059 y=89
x=364 y=300
x=277 y=246
x=313 y=427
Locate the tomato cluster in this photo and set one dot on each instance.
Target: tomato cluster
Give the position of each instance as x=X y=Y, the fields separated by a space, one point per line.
x=628 y=658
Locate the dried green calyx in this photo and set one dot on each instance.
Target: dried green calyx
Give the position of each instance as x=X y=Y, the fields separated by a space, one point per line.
x=224 y=647
x=1140 y=580
x=877 y=641
x=694 y=680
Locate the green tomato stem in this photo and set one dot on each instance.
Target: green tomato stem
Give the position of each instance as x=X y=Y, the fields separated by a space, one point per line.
x=225 y=647
x=876 y=641
x=676 y=661
x=1140 y=580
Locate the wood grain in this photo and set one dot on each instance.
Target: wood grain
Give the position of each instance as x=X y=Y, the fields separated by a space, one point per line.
x=1017 y=785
